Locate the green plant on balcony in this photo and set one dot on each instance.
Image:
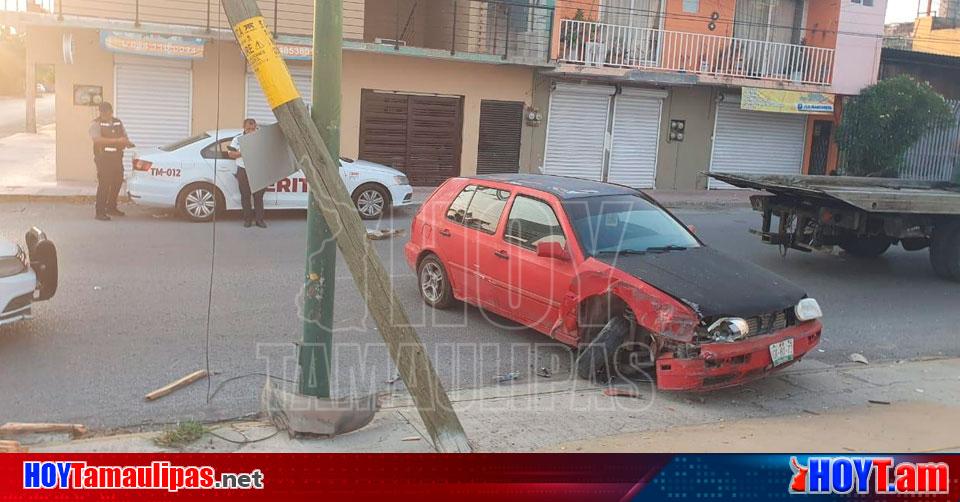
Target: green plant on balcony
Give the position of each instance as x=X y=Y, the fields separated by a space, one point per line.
x=577 y=38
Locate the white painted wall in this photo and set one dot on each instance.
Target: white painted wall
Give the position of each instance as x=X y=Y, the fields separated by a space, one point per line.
x=858 y=46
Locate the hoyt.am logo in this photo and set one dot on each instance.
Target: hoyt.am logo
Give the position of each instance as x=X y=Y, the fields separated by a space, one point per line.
x=868 y=475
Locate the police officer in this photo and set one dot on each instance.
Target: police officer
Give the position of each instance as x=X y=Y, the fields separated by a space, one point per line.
x=109 y=140
x=233 y=151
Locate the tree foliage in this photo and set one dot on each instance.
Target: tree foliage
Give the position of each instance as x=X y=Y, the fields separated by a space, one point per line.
x=884 y=121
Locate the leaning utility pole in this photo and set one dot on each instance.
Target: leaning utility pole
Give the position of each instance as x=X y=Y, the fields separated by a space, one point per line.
x=337 y=209
x=316 y=352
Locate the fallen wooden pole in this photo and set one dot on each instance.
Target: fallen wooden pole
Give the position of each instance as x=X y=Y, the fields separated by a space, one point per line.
x=337 y=209
x=12 y=428
x=172 y=386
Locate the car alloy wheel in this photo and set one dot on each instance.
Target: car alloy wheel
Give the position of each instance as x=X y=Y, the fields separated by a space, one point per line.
x=200 y=203
x=431 y=282
x=370 y=203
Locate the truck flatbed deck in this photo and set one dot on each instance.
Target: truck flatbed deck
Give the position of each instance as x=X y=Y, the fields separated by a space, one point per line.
x=876 y=195
x=863 y=216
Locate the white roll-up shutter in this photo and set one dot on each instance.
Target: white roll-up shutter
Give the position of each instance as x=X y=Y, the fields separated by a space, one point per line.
x=576 y=131
x=750 y=142
x=257 y=106
x=636 y=135
x=154 y=101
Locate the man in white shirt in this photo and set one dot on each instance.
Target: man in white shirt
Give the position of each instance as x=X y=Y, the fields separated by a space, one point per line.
x=256 y=211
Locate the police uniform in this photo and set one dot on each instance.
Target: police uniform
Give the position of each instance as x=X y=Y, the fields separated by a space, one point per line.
x=109 y=160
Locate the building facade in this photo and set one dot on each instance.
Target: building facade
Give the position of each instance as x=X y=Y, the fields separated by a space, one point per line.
x=435 y=88
x=647 y=93
x=651 y=93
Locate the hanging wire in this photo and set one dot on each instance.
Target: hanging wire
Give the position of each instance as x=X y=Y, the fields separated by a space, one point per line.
x=216 y=209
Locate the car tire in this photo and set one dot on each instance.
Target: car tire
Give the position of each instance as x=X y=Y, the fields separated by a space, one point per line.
x=866 y=247
x=200 y=202
x=597 y=357
x=371 y=201
x=945 y=250
x=435 y=288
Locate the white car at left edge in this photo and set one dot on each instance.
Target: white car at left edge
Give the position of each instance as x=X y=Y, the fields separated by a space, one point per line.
x=26 y=276
x=196 y=177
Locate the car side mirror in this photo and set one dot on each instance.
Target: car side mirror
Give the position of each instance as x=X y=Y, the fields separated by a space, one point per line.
x=553 y=249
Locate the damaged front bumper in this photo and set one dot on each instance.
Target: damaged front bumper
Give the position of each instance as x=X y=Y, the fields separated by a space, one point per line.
x=719 y=365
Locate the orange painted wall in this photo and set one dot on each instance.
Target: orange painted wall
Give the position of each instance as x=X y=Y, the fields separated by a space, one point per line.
x=695 y=22
x=833 y=154
x=823 y=21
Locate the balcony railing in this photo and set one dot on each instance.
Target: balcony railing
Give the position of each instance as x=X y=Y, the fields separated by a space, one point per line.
x=597 y=44
x=498 y=29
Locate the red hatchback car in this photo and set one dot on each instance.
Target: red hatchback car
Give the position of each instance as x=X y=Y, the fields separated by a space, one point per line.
x=606 y=269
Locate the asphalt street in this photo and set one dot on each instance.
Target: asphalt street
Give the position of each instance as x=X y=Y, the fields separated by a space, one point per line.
x=131 y=314
x=13 y=113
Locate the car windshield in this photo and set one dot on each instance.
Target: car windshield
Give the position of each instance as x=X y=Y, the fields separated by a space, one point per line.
x=183 y=142
x=625 y=224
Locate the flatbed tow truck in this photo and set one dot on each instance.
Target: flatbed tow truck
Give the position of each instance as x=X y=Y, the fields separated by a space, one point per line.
x=863 y=216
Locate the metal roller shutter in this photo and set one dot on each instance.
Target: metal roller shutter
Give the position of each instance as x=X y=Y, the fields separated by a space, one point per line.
x=749 y=142
x=501 y=123
x=636 y=135
x=576 y=131
x=257 y=107
x=153 y=101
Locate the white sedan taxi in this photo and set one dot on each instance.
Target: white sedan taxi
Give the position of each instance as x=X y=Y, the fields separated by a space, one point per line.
x=196 y=177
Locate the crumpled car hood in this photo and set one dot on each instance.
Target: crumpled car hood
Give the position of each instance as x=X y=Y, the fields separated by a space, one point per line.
x=711 y=282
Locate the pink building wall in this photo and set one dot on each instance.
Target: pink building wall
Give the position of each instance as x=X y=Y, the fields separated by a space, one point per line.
x=859 y=41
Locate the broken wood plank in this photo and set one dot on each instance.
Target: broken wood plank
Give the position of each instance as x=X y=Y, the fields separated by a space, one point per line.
x=12 y=428
x=11 y=447
x=170 y=387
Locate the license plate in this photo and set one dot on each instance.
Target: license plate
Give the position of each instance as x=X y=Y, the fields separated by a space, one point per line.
x=782 y=352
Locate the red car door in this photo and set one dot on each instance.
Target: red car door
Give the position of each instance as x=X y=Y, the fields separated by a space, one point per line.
x=451 y=242
x=527 y=287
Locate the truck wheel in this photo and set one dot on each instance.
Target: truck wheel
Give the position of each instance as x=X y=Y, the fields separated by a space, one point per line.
x=945 y=250
x=866 y=247
x=434 y=283
x=595 y=359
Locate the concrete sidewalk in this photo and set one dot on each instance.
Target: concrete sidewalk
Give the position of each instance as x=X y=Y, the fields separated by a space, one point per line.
x=900 y=406
x=28 y=171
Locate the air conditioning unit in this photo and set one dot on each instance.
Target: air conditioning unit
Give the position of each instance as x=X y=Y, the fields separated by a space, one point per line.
x=594 y=53
x=389 y=41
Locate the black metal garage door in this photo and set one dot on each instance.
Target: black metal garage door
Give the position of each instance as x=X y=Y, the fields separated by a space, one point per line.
x=419 y=135
x=500 y=125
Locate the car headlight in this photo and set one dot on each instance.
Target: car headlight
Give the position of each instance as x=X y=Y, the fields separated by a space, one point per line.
x=807 y=310
x=729 y=329
x=13 y=265
x=401 y=180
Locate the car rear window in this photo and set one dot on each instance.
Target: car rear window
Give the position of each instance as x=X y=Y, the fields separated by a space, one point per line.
x=183 y=142
x=479 y=207
x=531 y=222
x=458 y=209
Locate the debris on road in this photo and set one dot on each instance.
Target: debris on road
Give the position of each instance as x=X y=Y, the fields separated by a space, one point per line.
x=392 y=380
x=411 y=438
x=513 y=375
x=179 y=384
x=12 y=428
x=877 y=401
x=379 y=235
x=545 y=373
x=859 y=358
x=11 y=447
x=615 y=392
